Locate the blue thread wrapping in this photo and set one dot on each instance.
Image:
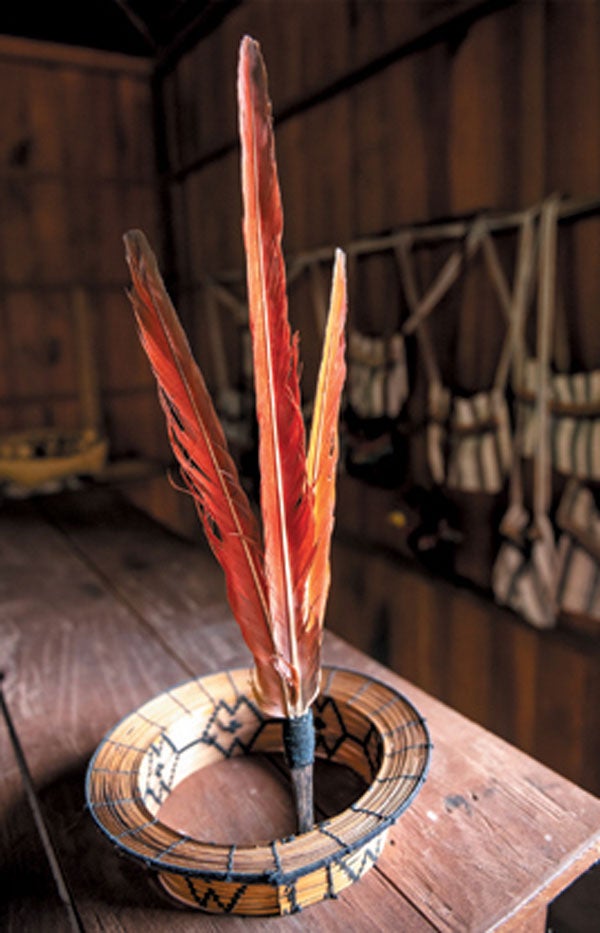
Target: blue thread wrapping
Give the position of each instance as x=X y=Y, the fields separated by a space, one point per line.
x=299 y=740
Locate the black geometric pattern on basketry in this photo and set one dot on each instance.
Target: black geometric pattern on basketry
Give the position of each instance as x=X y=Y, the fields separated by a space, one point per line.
x=210 y=895
x=220 y=732
x=330 y=744
x=223 y=725
x=162 y=758
x=369 y=856
x=342 y=860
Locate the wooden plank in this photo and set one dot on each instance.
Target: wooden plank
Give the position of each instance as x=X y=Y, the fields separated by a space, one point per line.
x=48 y=144
x=17 y=255
x=456 y=810
x=485 y=803
x=41 y=364
x=581 y=242
x=64 y=690
x=516 y=652
x=531 y=110
x=515 y=692
x=498 y=811
x=122 y=364
x=469 y=657
x=53 y=241
x=561 y=739
x=97 y=658
x=15 y=142
x=572 y=134
x=123 y=546
x=33 y=51
x=479 y=172
x=52 y=674
x=370 y=168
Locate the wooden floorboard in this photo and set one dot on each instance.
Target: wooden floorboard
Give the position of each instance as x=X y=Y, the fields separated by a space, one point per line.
x=112 y=620
x=100 y=609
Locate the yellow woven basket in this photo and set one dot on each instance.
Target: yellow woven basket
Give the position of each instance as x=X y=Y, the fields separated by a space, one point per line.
x=359 y=722
x=32 y=459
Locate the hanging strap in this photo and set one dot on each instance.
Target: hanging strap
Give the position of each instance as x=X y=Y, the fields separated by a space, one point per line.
x=447 y=276
x=238 y=308
x=542 y=467
x=514 y=303
x=403 y=256
x=421 y=307
x=515 y=519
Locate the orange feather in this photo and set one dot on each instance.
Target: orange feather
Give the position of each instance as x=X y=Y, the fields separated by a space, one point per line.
x=323 y=447
x=200 y=447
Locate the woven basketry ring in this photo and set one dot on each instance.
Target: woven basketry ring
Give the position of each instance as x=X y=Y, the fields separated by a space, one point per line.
x=360 y=722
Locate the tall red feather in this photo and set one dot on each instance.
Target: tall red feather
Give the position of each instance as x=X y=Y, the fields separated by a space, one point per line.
x=200 y=446
x=286 y=497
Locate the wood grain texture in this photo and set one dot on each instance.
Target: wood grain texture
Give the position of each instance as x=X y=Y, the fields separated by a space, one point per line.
x=402 y=143
x=101 y=609
x=77 y=168
x=534 y=689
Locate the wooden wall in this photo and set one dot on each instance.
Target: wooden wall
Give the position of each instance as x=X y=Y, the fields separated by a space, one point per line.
x=77 y=168
x=538 y=690
x=390 y=114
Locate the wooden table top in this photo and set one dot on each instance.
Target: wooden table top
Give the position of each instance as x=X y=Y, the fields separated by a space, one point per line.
x=102 y=609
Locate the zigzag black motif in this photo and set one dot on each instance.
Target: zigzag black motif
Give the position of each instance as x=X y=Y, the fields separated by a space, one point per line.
x=207 y=739
x=211 y=895
x=353 y=875
x=292 y=896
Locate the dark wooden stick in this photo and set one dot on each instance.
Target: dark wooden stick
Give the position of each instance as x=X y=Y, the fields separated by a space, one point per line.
x=302 y=784
x=299 y=748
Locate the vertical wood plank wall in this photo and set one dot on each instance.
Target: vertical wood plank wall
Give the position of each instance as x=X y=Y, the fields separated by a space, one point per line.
x=77 y=169
x=538 y=690
x=390 y=114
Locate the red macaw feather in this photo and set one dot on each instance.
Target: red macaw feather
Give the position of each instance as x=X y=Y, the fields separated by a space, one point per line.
x=286 y=497
x=209 y=472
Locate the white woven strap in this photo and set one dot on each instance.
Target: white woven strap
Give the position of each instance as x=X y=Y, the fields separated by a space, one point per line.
x=542 y=466
x=402 y=252
x=514 y=301
x=422 y=307
x=238 y=308
x=524 y=279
